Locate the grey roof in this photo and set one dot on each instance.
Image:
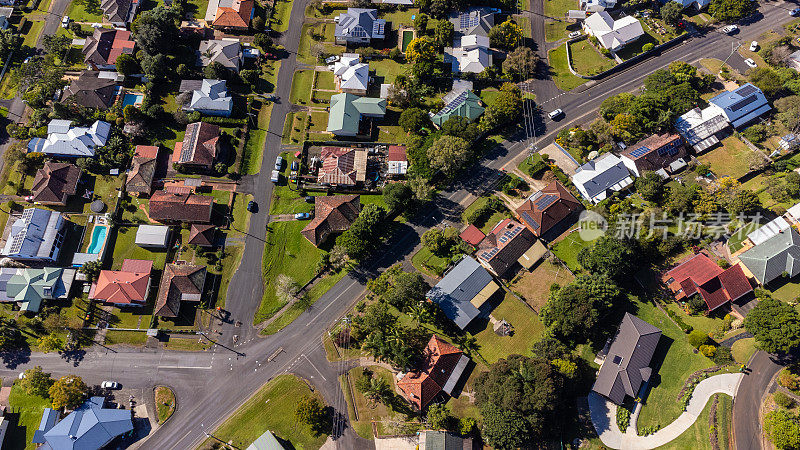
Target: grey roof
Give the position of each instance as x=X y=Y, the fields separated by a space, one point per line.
x=742 y=105
x=442 y=440
x=477 y=21
x=190 y=85
x=266 y=441
x=227 y=52
x=770 y=259
x=152 y=235
x=456 y=290
x=67 y=141
x=89 y=427
x=33 y=235
x=601 y=174
x=360 y=23
x=627 y=364
x=211 y=98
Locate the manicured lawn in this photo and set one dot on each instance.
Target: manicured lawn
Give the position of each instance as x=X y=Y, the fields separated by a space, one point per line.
x=738 y=237
x=526 y=325
x=199 y=7
x=554 y=30
x=743 y=349
x=558 y=8
x=488 y=95
x=318 y=290
x=698 y=322
x=586 y=60
x=428 y=263
x=368 y=410
x=402 y=17
x=559 y=70
x=319 y=120
x=567 y=250
x=535 y=286
x=254 y=147
x=123 y=241
x=301 y=87
x=528 y=162
x=696 y=437
x=729 y=159
x=126 y=337
x=674 y=361
x=28 y=409
x=165 y=402
x=787 y=292
x=271 y=408
x=325 y=81
x=280 y=18
x=79 y=12
x=387 y=69
x=489 y=222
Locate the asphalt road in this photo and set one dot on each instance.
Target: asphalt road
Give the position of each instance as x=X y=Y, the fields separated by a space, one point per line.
x=746 y=424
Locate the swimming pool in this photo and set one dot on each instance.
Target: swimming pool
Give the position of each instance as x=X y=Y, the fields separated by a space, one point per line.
x=408 y=36
x=132 y=99
x=98 y=239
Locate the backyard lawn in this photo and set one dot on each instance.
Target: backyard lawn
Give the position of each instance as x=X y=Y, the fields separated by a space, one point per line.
x=123 y=241
x=250 y=421
x=526 y=325
x=567 y=250
x=535 y=286
x=366 y=409
x=586 y=60
x=559 y=70
x=729 y=159
x=788 y=291
x=387 y=69
x=28 y=410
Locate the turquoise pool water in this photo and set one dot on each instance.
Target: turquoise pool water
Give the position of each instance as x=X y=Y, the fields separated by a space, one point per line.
x=98 y=239
x=132 y=99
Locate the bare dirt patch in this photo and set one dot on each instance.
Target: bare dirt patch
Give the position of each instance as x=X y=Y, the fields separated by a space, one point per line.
x=535 y=286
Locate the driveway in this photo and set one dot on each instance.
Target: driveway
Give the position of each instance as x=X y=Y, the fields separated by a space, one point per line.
x=604 y=415
x=746 y=423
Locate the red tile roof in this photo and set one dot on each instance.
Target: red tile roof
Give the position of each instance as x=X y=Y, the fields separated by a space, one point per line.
x=105 y=45
x=127 y=286
x=472 y=235
x=202 y=235
x=342 y=166
x=421 y=386
x=174 y=207
x=699 y=274
x=237 y=16
x=331 y=215
x=542 y=212
x=396 y=153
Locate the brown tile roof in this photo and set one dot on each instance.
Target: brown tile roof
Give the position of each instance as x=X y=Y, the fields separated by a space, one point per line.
x=92 y=91
x=331 y=215
x=191 y=208
x=127 y=286
x=236 y=16
x=421 y=386
x=179 y=283
x=199 y=146
x=504 y=245
x=105 y=45
x=342 y=166
x=143 y=169
x=546 y=208
x=55 y=182
x=656 y=152
x=202 y=235
x=396 y=153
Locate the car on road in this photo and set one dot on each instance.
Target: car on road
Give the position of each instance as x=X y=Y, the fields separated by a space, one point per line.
x=555 y=114
x=65 y=22
x=279 y=163
x=252 y=206
x=754 y=46
x=21 y=376
x=730 y=29
x=109 y=385
x=276 y=176
x=574 y=34
x=795 y=12
x=750 y=63
x=302 y=216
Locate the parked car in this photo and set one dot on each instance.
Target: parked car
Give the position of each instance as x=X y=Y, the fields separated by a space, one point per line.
x=555 y=113
x=331 y=59
x=295 y=165
x=574 y=34
x=109 y=385
x=276 y=176
x=65 y=22
x=309 y=199
x=730 y=29
x=750 y=63
x=795 y=12
x=252 y=206
x=754 y=46
x=278 y=163
x=302 y=216
x=21 y=376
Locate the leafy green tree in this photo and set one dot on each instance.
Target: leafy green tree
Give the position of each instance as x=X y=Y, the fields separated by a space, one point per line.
x=364 y=234
x=697 y=338
x=437 y=242
x=262 y=41
x=609 y=256
x=127 y=65
x=8 y=43
x=249 y=76
x=506 y=108
x=520 y=64
x=155 y=30
x=626 y=127
x=156 y=67
x=503 y=429
x=421 y=49
x=56 y=45
x=216 y=71
x=68 y=392
x=730 y=10
x=460 y=127
x=448 y=154
x=672 y=12
x=414 y=120
x=615 y=105
x=681 y=198
x=743 y=201
x=311 y=411
x=399 y=197
x=573 y=311
x=36 y=382
x=775 y=325
x=50 y=343
x=506 y=35
x=650 y=185
x=408 y=289
x=10 y=335
x=376 y=317
x=421 y=24
x=783 y=429
x=439 y=417
x=443 y=34
x=767 y=80
x=375 y=389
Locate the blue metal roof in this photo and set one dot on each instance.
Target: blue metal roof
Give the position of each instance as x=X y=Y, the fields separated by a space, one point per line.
x=89 y=427
x=742 y=105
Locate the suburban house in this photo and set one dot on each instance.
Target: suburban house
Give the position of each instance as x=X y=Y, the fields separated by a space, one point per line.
x=120 y=13
x=226 y=51
x=143 y=170
x=439 y=370
x=461 y=104
x=233 y=15
x=179 y=283
x=700 y=127
x=342 y=166
x=359 y=26
x=472 y=235
x=591 y=6
x=351 y=75
x=64 y=140
x=774 y=257
x=153 y=236
x=742 y=105
x=700 y=275
x=627 y=364
x=602 y=176
x=768 y=230
x=202 y=235
x=504 y=246
x=443 y=440
x=463 y=292
x=657 y=153
x=475 y=21
x=103 y=47
x=793 y=214
x=55 y=183
x=547 y=208
x=93 y=89
x=5 y=14
x=209 y=97
x=332 y=214
x=613 y=34
x=350 y=115
x=30 y=287
x=128 y=286
x=794 y=60
x=266 y=441
x=470 y=54
x=37 y=235
x=698 y=4
x=396 y=160
x=171 y=207
x=199 y=148
x=90 y=426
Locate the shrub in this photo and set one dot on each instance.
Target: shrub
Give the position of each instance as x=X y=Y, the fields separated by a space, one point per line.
x=537 y=168
x=697 y=338
x=783 y=400
x=788 y=380
x=722 y=356
x=647 y=47
x=623 y=418
x=708 y=350
x=684 y=326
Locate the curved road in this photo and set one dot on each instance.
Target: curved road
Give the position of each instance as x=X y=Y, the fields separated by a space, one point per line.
x=746 y=423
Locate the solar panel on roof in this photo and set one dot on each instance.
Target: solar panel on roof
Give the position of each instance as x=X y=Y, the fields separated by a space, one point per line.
x=742 y=103
x=454 y=104
x=545 y=201
x=641 y=151
x=746 y=90
x=188 y=148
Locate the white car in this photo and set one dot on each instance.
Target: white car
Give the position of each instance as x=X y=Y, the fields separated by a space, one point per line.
x=730 y=29
x=109 y=385
x=21 y=376
x=276 y=176
x=574 y=34
x=754 y=46
x=302 y=216
x=279 y=163
x=751 y=63
x=554 y=114
x=65 y=22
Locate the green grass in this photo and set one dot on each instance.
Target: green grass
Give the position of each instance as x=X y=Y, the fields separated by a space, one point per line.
x=126 y=337
x=706 y=324
x=553 y=30
x=730 y=159
x=567 y=250
x=788 y=291
x=301 y=87
x=527 y=163
x=559 y=70
x=280 y=18
x=165 y=402
x=319 y=120
x=558 y=8
x=696 y=437
x=318 y=290
x=403 y=17
x=29 y=409
x=123 y=239
x=251 y=420
x=78 y=12
x=738 y=237
x=527 y=330
x=200 y=8
x=427 y=262
x=676 y=361
x=724 y=421
x=325 y=81
x=32 y=37
x=368 y=410
x=387 y=69
x=254 y=147
x=743 y=349
x=489 y=95
x=586 y=60
x=487 y=223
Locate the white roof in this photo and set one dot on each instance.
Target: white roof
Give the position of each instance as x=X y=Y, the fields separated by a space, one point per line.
x=699 y=124
x=71 y=141
x=212 y=96
x=398 y=167
x=33 y=235
x=600 y=175
x=613 y=33
x=769 y=230
x=794 y=212
x=352 y=72
x=156 y=235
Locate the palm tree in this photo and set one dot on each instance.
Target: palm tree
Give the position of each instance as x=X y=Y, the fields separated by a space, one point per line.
x=419 y=313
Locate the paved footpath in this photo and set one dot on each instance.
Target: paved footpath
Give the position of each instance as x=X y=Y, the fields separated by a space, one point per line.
x=604 y=415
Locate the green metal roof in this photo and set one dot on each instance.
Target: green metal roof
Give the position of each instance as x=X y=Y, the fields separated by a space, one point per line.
x=347 y=109
x=29 y=286
x=466 y=105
